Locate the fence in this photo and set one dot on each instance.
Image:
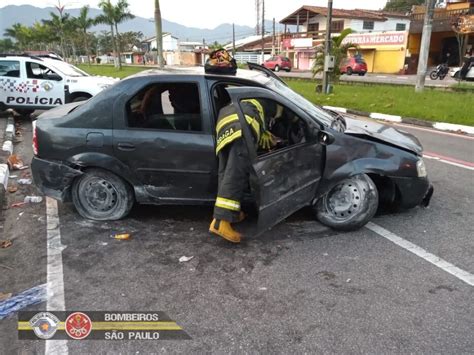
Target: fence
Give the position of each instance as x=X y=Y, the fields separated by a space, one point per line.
x=253 y=57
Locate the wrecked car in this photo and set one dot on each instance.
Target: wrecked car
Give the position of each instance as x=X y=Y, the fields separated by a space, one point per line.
x=150 y=139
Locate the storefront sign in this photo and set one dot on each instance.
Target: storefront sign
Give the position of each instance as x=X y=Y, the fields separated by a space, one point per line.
x=464 y=24
x=302 y=42
x=381 y=39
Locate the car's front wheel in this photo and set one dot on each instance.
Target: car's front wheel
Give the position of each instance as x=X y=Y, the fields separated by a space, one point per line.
x=277 y=68
x=102 y=196
x=349 y=205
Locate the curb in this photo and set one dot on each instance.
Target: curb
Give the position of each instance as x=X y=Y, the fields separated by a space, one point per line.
x=441 y=126
x=7 y=149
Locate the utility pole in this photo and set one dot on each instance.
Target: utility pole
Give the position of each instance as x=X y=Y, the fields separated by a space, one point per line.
x=327 y=49
x=273 y=38
x=257 y=9
x=159 y=35
x=233 y=39
x=263 y=31
x=425 y=46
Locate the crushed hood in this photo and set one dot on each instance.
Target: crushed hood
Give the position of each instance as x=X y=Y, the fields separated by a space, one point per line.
x=383 y=132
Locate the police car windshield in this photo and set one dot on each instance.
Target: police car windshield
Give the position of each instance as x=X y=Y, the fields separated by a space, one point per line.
x=67 y=69
x=314 y=111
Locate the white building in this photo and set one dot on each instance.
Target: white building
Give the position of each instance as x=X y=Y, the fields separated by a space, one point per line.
x=170 y=43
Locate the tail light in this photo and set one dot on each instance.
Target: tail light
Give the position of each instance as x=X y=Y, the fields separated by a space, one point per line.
x=35 y=139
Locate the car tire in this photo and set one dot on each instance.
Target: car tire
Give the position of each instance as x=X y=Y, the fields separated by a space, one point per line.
x=349 y=205
x=457 y=75
x=24 y=111
x=102 y=196
x=362 y=74
x=277 y=68
x=349 y=71
x=80 y=98
x=288 y=70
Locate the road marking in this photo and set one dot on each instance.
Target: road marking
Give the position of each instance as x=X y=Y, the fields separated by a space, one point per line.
x=380 y=76
x=54 y=272
x=434 y=131
x=422 y=253
x=402 y=77
x=448 y=160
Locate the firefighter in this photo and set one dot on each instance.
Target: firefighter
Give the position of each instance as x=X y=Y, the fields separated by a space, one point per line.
x=234 y=163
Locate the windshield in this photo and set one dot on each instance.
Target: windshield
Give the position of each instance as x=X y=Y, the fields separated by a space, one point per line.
x=314 y=111
x=67 y=69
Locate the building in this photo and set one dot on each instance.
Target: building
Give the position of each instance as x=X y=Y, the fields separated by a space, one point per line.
x=170 y=43
x=375 y=34
x=452 y=33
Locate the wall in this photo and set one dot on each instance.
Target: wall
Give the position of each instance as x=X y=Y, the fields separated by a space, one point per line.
x=169 y=43
x=357 y=25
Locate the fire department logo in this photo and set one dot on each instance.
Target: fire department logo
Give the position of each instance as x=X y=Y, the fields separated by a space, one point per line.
x=44 y=325
x=78 y=325
x=47 y=85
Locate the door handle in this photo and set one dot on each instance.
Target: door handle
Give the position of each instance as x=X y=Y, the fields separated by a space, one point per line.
x=126 y=146
x=268 y=182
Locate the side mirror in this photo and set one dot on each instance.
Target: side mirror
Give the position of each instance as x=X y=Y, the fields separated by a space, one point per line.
x=325 y=138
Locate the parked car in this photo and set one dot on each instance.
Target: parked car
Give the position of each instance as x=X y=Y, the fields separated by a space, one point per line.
x=455 y=73
x=29 y=82
x=353 y=65
x=277 y=63
x=150 y=139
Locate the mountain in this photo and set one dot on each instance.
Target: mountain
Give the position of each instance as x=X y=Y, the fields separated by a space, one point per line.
x=27 y=15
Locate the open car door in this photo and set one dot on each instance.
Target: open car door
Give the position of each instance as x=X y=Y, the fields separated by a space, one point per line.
x=284 y=179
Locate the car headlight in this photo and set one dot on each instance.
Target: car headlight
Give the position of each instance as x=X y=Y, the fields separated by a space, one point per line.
x=421 y=168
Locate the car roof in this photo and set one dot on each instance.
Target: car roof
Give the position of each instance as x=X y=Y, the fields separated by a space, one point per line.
x=199 y=71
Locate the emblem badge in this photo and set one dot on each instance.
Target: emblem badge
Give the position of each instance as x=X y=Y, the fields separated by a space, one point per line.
x=44 y=325
x=78 y=325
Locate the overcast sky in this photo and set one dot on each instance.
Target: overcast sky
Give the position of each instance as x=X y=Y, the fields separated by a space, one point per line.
x=209 y=13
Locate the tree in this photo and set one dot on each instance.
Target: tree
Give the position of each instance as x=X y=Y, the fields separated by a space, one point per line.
x=7 y=45
x=58 y=24
x=159 y=34
x=21 y=34
x=121 y=14
x=338 y=50
x=84 y=22
x=130 y=39
x=402 y=5
x=108 y=18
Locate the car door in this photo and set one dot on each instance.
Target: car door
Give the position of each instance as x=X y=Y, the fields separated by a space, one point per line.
x=9 y=79
x=43 y=87
x=283 y=180
x=171 y=153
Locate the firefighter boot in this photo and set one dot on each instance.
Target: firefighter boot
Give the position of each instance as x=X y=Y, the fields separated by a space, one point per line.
x=225 y=230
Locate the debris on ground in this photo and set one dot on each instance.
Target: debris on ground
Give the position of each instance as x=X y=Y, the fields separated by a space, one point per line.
x=184 y=259
x=33 y=199
x=15 y=163
x=4 y=296
x=24 y=182
x=5 y=243
x=12 y=189
x=13 y=176
x=348 y=280
x=123 y=236
x=17 y=204
x=22 y=300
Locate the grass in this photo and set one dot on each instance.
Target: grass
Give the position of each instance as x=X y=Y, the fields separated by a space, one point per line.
x=110 y=70
x=431 y=105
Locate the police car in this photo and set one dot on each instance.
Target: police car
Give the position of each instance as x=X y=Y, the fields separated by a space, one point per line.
x=28 y=83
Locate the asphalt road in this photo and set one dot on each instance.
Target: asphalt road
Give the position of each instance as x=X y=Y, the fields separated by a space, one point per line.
x=299 y=288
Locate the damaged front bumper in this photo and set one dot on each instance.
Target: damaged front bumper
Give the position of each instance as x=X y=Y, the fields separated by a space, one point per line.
x=413 y=191
x=53 y=178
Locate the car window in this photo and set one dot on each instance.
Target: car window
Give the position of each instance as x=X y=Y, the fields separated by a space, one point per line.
x=10 y=68
x=39 y=71
x=166 y=106
x=359 y=60
x=287 y=128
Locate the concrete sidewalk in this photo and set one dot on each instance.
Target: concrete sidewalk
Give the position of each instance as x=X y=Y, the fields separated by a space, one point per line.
x=394 y=79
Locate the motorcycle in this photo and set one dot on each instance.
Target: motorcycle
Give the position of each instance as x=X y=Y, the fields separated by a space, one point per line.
x=440 y=72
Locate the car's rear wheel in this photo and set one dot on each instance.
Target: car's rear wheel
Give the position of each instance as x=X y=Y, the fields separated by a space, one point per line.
x=362 y=73
x=349 y=71
x=277 y=68
x=288 y=69
x=349 y=205
x=24 y=111
x=101 y=195
x=80 y=98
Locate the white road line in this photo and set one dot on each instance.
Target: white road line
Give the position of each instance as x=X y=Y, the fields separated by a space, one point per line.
x=422 y=253
x=448 y=162
x=54 y=277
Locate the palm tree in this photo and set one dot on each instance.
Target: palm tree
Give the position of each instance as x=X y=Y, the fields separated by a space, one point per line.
x=121 y=14
x=339 y=49
x=159 y=33
x=58 y=24
x=84 y=22
x=21 y=34
x=108 y=18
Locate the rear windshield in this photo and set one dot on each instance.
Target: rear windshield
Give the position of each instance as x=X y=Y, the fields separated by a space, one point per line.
x=360 y=60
